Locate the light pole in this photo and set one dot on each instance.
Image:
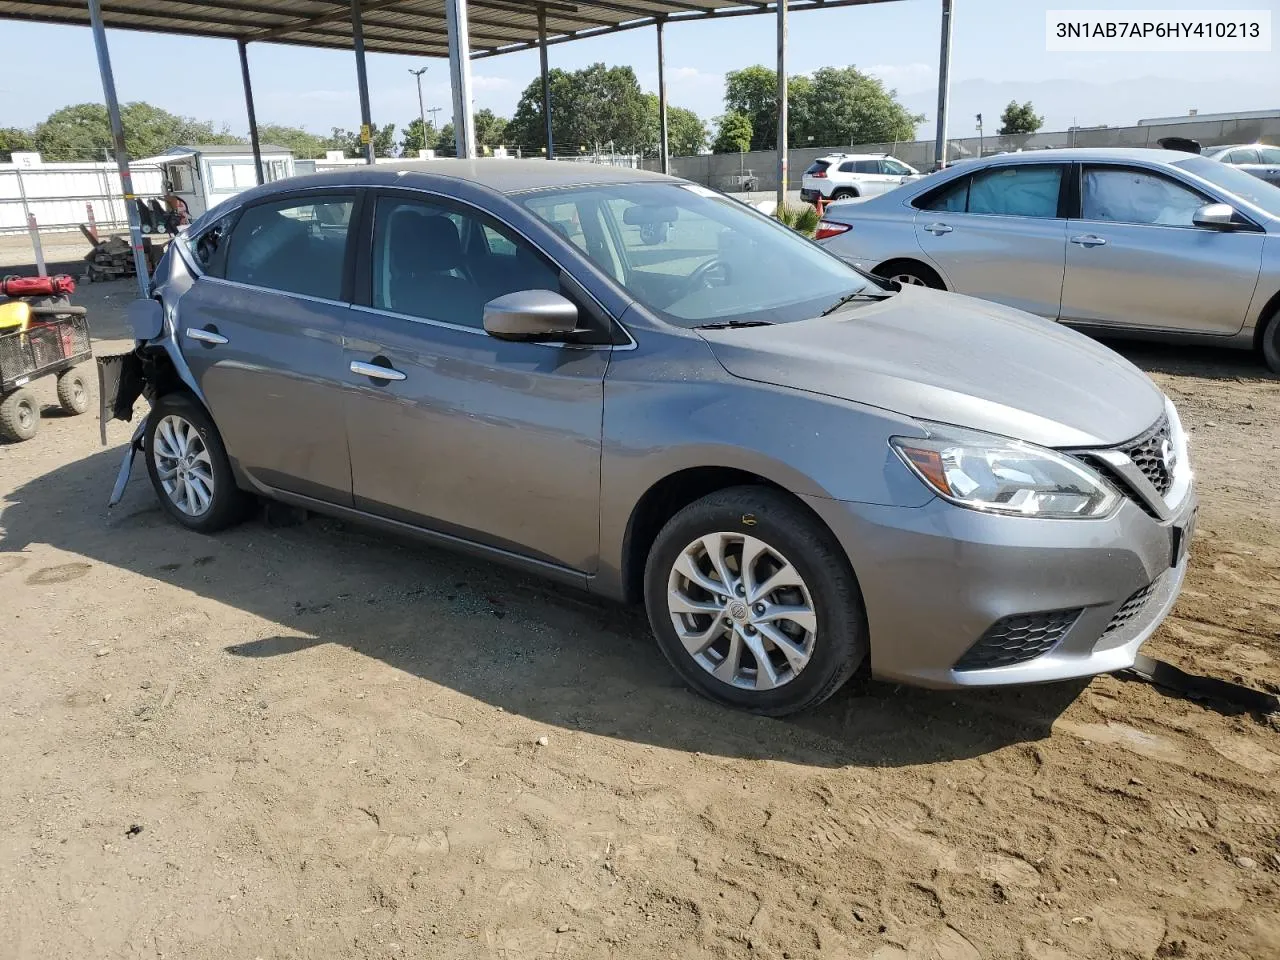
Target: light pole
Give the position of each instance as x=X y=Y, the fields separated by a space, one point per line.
x=979 y=136
x=422 y=114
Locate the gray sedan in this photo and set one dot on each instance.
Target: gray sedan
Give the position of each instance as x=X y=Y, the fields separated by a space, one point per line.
x=1257 y=159
x=1135 y=242
x=632 y=384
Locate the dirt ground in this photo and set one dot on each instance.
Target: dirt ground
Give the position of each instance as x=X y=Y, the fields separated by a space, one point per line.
x=309 y=741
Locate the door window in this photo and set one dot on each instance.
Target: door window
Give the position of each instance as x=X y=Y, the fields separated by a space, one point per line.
x=1242 y=155
x=866 y=166
x=210 y=247
x=294 y=246
x=1119 y=195
x=1025 y=190
x=894 y=168
x=1270 y=154
x=444 y=264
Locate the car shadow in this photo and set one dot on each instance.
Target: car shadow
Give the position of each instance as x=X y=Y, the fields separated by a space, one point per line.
x=519 y=643
x=1182 y=360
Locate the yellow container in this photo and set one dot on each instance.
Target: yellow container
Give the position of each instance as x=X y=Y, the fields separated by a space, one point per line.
x=14 y=315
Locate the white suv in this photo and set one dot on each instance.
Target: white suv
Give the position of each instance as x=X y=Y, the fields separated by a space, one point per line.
x=843 y=175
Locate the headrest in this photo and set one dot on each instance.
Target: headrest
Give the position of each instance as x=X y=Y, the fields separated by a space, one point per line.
x=428 y=242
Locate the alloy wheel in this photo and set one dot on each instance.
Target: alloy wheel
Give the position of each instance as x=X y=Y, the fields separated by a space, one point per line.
x=742 y=611
x=183 y=466
x=909 y=279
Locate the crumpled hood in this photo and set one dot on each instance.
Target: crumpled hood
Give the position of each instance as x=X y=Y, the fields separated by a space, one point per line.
x=957 y=360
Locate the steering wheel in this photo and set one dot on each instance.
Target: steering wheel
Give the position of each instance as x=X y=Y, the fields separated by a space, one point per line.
x=702 y=275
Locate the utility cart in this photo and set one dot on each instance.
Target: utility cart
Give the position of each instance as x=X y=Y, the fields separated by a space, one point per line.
x=41 y=335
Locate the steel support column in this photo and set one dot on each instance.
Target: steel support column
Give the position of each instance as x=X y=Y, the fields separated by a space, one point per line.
x=546 y=80
x=464 y=124
x=782 y=103
x=944 y=86
x=248 y=106
x=122 y=154
x=663 y=143
x=362 y=80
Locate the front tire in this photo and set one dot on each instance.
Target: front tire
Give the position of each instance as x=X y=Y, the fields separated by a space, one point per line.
x=19 y=416
x=1271 y=343
x=754 y=603
x=189 y=468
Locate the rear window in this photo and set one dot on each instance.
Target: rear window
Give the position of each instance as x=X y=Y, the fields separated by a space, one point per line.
x=818 y=166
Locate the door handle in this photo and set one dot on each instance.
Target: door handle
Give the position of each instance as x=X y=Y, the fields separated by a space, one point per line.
x=376 y=371
x=938 y=229
x=205 y=336
x=1089 y=240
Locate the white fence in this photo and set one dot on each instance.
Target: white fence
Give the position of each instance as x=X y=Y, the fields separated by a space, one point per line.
x=60 y=195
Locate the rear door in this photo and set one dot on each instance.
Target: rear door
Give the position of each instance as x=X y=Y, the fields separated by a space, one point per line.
x=999 y=234
x=1136 y=260
x=262 y=330
x=1268 y=167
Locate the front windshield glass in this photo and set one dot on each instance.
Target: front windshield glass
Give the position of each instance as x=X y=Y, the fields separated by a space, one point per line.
x=1232 y=179
x=696 y=257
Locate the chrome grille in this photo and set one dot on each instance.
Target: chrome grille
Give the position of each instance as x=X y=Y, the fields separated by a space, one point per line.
x=1147 y=454
x=1018 y=639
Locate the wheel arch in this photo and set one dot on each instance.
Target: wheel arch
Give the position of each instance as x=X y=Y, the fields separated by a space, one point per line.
x=1268 y=315
x=884 y=268
x=668 y=496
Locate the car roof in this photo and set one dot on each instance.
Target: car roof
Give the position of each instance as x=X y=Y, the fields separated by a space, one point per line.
x=1068 y=154
x=854 y=156
x=498 y=174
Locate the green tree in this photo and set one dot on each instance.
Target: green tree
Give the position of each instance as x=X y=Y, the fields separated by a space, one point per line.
x=753 y=93
x=348 y=141
x=491 y=132
x=589 y=107
x=82 y=131
x=733 y=133
x=14 y=139
x=686 y=133
x=843 y=105
x=1019 y=119
x=416 y=137
x=303 y=145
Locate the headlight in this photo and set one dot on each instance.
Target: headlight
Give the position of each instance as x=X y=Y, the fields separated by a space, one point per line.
x=997 y=475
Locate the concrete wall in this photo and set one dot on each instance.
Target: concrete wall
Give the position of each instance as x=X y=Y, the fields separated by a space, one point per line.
x=722 y=171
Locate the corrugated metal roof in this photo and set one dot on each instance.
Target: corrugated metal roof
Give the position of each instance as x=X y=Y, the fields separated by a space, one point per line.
x=393 y=26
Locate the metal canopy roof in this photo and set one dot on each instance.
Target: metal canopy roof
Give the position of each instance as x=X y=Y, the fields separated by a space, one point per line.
x=415 y=27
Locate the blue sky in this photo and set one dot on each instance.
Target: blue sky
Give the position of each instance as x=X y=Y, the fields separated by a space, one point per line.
x=998 y=54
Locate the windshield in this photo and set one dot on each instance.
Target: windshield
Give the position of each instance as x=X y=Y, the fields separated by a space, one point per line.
x=1244 y=185
x=696 y=257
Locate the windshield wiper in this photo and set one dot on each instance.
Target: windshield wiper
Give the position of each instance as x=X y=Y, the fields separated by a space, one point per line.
x=734 y=324
x=850 y=297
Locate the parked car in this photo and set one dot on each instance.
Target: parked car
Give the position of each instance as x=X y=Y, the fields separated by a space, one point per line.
x=841 y=176
x=1140 y=242
x=797 y=467
x=1259 y=159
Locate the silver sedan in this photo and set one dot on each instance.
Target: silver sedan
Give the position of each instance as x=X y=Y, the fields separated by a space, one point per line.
x=1141 y=242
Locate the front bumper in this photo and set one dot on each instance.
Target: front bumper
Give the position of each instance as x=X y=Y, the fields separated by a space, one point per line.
x=935 y=579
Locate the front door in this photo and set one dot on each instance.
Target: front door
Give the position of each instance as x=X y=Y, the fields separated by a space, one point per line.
x=1135 y=259
x=489 y=440
x=999 y=234
x=261 y=330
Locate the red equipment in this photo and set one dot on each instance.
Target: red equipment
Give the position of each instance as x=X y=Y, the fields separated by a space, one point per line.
x=59 y=286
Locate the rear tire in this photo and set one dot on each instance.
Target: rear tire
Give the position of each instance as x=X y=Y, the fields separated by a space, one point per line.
x=19 y=416
x=189 y=468
x=73 y=392
x=844 y=193
x=810 y=628
x=910 y=273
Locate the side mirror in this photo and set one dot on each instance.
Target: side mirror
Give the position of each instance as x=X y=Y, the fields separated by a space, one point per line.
x=1216 y=216
x=530 y=315
x=146 y=317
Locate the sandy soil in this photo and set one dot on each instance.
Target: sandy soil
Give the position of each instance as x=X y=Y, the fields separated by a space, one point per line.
x=307 y=741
